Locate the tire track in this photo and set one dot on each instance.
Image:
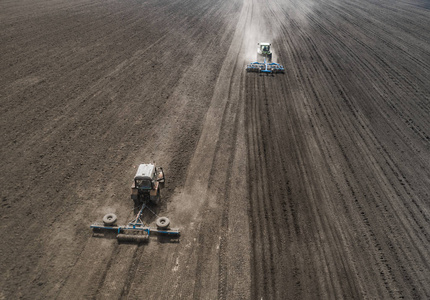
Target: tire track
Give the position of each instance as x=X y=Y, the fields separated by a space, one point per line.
x=219 y=180
x=261 y=112
x=349 y=126
x=215 y=181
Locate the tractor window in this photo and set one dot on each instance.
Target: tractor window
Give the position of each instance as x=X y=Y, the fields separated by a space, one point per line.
x=143 y=183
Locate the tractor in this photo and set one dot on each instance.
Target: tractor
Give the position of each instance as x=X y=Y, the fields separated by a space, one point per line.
x=147 y=183
x=145 y=190
x=264 y=62
x=264 y=53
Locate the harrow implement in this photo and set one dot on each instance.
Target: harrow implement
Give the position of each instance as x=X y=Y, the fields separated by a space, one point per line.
x=136 y=231
x=265 y=67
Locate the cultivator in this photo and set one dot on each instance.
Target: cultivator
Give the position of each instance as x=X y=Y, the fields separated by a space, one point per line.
x=135 y=231
x=265 y=67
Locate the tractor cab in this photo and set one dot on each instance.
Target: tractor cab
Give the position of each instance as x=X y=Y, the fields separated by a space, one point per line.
x=145 y=175
x=265 y=48
x=147 y=184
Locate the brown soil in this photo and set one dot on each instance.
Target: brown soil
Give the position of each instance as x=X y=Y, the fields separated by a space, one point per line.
x=309 y=185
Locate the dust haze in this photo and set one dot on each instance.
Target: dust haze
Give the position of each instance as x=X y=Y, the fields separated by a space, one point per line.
x=311 y=184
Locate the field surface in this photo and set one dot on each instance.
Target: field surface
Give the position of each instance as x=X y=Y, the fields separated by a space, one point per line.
x=313 y=184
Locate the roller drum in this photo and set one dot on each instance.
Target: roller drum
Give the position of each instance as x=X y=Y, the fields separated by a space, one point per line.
x=132 y=238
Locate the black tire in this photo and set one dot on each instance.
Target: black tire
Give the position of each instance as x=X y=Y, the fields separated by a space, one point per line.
x=109 y=219
x=162 y=223
x=156 y=200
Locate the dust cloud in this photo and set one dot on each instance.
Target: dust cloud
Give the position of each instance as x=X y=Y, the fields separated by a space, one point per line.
x=266 y=22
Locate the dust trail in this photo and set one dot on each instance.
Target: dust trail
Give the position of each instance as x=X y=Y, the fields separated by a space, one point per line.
x=265 y=27
x=261 y=28
x=256 y=31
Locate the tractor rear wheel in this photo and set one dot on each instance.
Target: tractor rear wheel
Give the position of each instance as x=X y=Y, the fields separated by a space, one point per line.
x=137 y=202
x=158 y=195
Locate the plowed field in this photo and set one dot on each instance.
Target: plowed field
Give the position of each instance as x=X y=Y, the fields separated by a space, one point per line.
x=313 y=184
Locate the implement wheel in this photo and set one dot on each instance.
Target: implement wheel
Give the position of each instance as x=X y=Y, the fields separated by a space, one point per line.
x=162 y=223
x=109 y=219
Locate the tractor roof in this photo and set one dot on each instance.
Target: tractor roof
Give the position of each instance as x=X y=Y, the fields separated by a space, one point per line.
x=145 y=170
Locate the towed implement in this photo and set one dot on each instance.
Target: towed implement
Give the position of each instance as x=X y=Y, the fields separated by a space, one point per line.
x=135 y=231
x=265 y=67
x=145 y=189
